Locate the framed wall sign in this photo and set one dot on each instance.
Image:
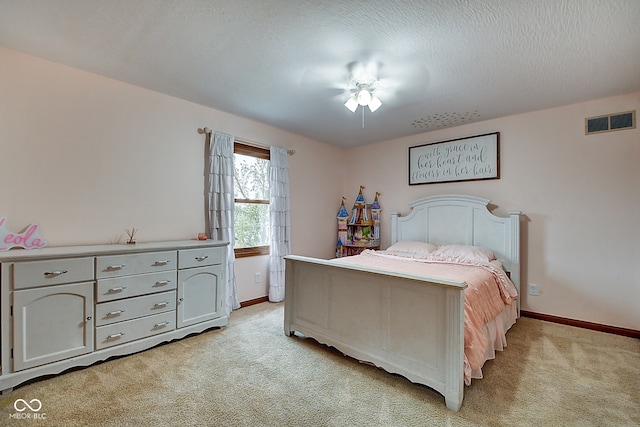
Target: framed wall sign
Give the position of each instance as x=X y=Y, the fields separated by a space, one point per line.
x=464 y=159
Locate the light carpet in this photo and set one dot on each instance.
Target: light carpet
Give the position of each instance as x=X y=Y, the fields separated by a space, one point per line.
x=250 y=374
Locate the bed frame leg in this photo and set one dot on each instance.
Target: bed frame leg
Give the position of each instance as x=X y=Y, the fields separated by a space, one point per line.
x=453 y=402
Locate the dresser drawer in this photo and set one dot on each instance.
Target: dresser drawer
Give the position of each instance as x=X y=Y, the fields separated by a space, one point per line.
x=129 y=264
x=132 y=308
x=135 y=329
x=31 y=274
x=200 y=257
x=131 y=286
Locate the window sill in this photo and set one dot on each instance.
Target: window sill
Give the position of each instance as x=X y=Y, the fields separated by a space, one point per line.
x=253 y=251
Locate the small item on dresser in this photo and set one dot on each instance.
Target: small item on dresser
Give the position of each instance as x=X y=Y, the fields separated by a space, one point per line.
x=28 y=239
x=131 y=233
x=202 y=236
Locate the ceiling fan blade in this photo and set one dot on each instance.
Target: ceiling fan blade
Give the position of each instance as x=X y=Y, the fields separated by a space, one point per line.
x=326 y=76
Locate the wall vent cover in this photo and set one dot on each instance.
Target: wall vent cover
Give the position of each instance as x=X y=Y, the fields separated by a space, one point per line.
x=610 y=122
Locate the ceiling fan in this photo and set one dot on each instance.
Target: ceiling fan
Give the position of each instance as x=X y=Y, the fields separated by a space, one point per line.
x=370 y=80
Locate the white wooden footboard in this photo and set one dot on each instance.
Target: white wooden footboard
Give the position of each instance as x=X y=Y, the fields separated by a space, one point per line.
x=404 y=324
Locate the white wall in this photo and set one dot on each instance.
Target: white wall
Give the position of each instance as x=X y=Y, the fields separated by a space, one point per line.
x=579 y=195
x=246 y=270
x=86 y=156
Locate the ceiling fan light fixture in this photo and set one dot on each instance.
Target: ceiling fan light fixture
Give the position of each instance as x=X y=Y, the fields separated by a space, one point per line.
x=351 y=104
x=364 y=97
x=375 y=103
x=363 y=91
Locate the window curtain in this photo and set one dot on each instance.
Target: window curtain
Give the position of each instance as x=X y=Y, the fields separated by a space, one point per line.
x=219 y=202
x=279 y=215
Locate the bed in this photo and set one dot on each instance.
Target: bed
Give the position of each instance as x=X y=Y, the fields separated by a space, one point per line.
x=404 y=320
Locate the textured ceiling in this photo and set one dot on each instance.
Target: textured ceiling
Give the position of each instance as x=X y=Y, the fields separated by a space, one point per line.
x=442 y=63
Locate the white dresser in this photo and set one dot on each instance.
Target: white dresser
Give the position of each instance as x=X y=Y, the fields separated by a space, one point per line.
x=73 y=306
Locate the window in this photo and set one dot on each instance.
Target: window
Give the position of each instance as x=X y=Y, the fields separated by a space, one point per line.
x=251 y=188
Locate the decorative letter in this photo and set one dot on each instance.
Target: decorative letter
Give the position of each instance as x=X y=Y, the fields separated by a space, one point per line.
x=28 y=239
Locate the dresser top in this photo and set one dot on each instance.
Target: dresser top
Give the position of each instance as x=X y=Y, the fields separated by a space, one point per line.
x=109 y=249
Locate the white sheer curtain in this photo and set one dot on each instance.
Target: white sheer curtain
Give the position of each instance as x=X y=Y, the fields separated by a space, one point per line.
x=280 y=221
x=219 y=201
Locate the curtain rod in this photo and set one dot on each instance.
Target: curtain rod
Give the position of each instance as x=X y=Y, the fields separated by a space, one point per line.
x=208 y=131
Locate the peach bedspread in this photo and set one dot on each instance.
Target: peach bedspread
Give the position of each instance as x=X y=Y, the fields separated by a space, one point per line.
x=489 y=291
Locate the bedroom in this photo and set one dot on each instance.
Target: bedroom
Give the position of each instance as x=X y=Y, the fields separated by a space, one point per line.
x=139 y=158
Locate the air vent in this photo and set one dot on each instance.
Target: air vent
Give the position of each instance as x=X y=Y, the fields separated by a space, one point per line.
x=610 y=122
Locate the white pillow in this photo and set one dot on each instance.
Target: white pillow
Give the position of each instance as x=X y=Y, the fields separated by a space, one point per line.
x=464 y=253
x=419 y=248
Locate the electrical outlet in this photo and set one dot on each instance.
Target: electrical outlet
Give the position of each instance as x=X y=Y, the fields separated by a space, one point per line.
x=257 y=278
x=533 y=289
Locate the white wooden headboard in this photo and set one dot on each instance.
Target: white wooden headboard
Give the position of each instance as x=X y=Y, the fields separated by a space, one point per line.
x=462 y=220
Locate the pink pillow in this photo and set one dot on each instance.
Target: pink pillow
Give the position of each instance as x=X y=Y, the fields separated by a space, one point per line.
x=464 y=253
x=418 y=248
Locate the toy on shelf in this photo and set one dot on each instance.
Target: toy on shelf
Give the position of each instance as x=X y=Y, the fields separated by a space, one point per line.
x=361 y=229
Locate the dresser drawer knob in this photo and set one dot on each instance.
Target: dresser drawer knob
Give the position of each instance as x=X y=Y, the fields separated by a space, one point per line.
x=89 y=318
x=160 y=325
x=55 y=272
x=202 y=258
x=114 y=336
x=116 y=267
x=118 y=289
x=161 y=304
x=162 y=283
x=114 y=313
x=165 y=262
